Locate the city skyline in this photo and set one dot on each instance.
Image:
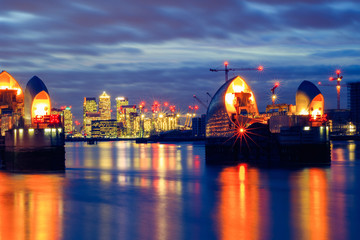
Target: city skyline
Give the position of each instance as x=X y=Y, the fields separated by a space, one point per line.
x=157 y=51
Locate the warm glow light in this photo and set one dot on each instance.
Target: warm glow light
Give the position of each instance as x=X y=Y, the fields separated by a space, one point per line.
x=229 y=98
x=41 y=105
x=252 y=99
x=41 y=109
x=273 y=97
x=238 y=88
x=304 y=112
x=352 y=127
x=260 y=68
x=315 y=113
x=307 y=128
x=241 y=130
x=233 y=96
x=18 y=90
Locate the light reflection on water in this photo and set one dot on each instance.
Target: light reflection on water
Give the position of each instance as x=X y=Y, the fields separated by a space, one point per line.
x=123 y=190
x=27 y=206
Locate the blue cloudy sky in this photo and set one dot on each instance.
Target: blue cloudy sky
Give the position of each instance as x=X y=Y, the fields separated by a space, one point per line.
x=163 y=49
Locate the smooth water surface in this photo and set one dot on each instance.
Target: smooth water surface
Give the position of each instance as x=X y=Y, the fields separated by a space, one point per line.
x=123 y=190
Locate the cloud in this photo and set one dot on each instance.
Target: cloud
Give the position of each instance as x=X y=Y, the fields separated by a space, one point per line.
x=338 y=53
x=164 y=49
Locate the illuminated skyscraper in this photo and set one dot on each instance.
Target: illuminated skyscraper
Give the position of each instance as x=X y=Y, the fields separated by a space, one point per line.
x=89 y=109
x=68 y=123
x=90 y=105
x=120 y=102
x=105 y=106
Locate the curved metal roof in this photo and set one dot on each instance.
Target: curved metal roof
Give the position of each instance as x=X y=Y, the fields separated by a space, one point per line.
x=309 y=89
x=9 y=82
x=34 y=86
x=218 y=100
x=222 y=109
x=305 y=96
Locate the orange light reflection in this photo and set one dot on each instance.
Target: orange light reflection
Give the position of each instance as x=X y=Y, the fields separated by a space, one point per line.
x=31 y=207
x=312 y=199
x=243 y=205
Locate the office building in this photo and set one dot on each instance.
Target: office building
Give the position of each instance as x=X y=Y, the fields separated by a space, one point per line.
x=120 y=101
x=89 y=117
x=105 y=106
x=354 y=104
x=68 y=122
x=104 y=128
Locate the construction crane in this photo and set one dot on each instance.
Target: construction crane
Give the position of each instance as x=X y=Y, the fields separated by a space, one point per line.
x=226 y=70
x=273 y=95
x=338 y=79
x=189 y=116
x=201 y=102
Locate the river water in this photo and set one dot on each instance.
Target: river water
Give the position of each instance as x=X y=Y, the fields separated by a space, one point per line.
x=124 y=190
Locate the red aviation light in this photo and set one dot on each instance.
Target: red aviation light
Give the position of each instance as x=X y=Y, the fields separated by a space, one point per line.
x=338 y=71
x=166 y=104
x=260 y=68
x=277 y=84
x=196 y=107
x=331 y=78
x=226 y=63
x=172 y=108
x=319 y=83
x=55 y=119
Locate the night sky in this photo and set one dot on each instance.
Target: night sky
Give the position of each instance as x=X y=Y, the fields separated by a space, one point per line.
x=162 y=50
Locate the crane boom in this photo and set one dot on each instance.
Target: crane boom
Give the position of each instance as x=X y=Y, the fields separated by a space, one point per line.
x=201 y=102
x=226 y=70
x=338 y=79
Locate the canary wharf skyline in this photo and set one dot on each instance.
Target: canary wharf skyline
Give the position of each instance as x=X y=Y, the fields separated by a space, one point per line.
x=162 y=50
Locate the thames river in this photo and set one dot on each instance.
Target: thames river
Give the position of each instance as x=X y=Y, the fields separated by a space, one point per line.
x=124 y=190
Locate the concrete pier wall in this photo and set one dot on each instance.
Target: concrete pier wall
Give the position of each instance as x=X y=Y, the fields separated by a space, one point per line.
x=34 y=150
